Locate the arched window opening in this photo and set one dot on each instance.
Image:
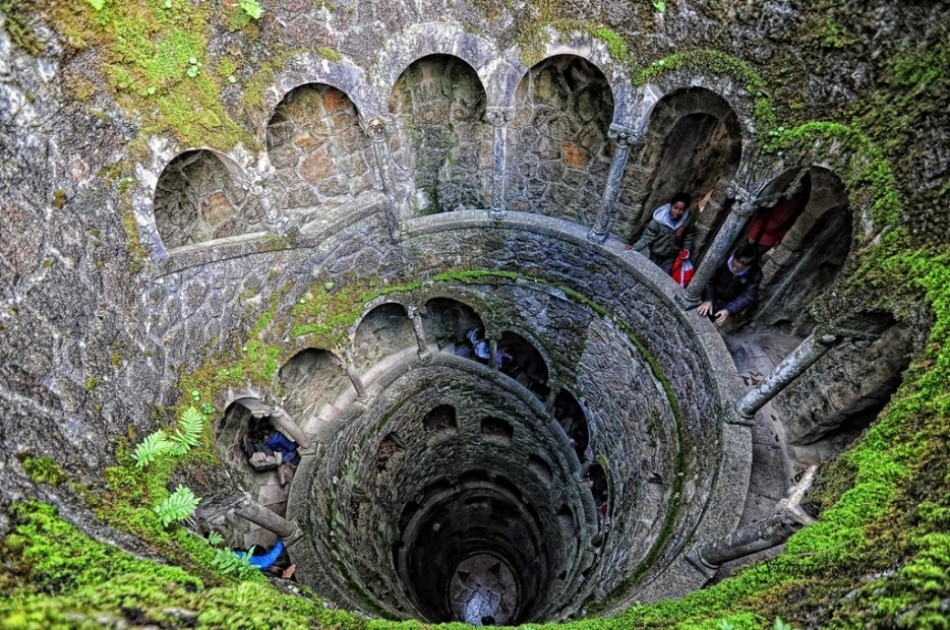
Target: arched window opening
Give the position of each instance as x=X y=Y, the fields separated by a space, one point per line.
x=520 y=360
x=497 y=428
x=446 y=323
x=562 y=154
x=383 y=331
x=439 y=420
x=569 y=414
x=197 y=200
x=319 y=153
x=311 y=379
x=442 y=145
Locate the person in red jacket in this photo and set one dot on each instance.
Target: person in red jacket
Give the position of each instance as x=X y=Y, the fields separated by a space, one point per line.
x=770 y=225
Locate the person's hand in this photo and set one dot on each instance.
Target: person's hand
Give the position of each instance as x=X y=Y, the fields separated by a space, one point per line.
x=705 y=308
x=721 y=317
x=628 y=246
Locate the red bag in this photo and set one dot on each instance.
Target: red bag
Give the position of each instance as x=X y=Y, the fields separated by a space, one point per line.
x=682 y=270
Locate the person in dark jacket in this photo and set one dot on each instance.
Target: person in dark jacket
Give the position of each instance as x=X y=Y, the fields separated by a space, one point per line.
x=734 y=286
x=668 y=232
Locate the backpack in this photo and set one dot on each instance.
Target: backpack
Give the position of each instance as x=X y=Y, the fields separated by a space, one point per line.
x=682 y=270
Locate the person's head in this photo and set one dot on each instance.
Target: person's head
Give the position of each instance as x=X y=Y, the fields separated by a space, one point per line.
x=743 y=258
x=678 y=205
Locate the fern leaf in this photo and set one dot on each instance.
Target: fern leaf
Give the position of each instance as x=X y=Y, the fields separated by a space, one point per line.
x=151 y=447
x=215 y=539
x=188 y=434
x=229 y=563
x=177 y=507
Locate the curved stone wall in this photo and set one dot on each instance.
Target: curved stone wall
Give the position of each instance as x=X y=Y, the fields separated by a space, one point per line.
x=655 y=383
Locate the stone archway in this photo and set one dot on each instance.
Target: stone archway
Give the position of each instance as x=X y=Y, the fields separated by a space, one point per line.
x=197 y=200
x=560 y=152
x=806 y=261
x=310 y=379
x=693 y=145
x=441 y=144
x=385 y=330
x=446 y=322
x=321 y=158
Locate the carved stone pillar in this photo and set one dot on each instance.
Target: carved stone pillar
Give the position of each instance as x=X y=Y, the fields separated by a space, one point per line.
x=286 y=424
x=791 y=367
x=789 y=517
x=492 y=354
x=357 y=381
x=499 y=117
x=375 y=129
x=274 y=221
x=625 y=138
x=419 y=330
x=720 y=246
x=252 y=511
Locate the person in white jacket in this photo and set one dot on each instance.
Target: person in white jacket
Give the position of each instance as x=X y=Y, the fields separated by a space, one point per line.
x=668 y=232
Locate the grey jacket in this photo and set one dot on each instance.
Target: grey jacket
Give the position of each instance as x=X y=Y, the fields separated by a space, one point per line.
x=663 y=237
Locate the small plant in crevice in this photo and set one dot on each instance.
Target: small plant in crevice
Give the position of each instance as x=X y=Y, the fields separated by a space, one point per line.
x=176 y=507
x=194 y=66
x=229 y=563
x=251 y=8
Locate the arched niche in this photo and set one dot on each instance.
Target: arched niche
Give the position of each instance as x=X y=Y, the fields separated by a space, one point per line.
x=311 y=379
x=383 y=331
x=497 y=429
x=693 y=144
x=446 y=321
x=808 y=258
x=317 y=147
x=440 y=419
x=441 y=144
x=559 y=154
x=843 y=392
x=570 y=415
x=197 y=200
x=527 y=365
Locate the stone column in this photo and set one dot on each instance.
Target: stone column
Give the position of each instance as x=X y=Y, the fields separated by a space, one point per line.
x=419 y=330
x=625 y=138
x=720 y=246
x=499 y=117
x=286 y=424
x=375 y=129
x=788 y=518
x=357 y=382
x=250 y=510
x=791 y=367
x=274 y=221
x=492 y=353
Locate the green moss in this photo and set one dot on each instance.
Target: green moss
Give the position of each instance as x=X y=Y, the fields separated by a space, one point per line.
x=42 y=469
x=866 y=170
x=716 y=62
x=18 y=26
x=329 y=54
x=55 y=576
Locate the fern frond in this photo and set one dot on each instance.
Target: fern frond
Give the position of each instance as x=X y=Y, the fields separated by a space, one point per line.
x=151 y=447
x=177 y=507
x=229 y=563
x=188 y=434
x=215 y=539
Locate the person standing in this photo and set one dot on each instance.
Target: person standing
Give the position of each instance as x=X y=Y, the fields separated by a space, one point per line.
x=733 y=287
x=668 y=233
